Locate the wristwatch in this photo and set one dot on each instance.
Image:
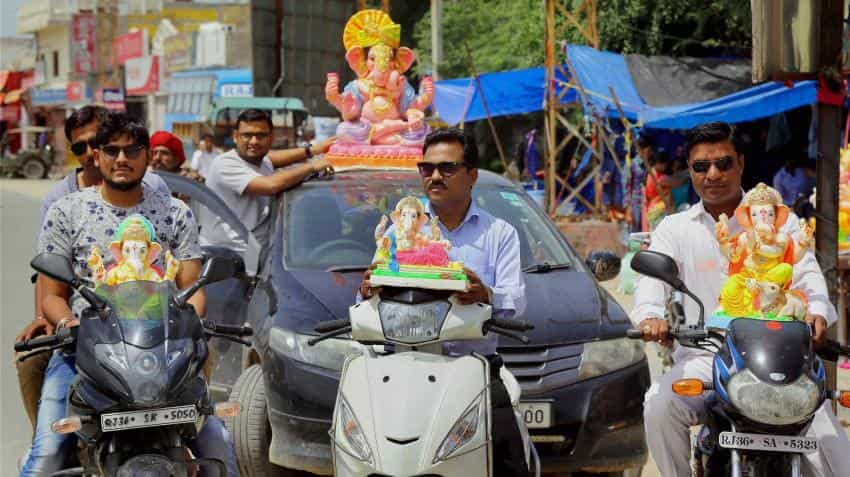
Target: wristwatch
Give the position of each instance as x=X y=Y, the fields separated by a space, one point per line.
x=307 y=151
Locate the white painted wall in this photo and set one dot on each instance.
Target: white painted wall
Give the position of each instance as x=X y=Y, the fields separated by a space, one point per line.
x=55 y=38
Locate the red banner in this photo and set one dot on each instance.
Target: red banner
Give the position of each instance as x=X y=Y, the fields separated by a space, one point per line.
x=83 y=34
x=141 y=75
x=128 y=46
x=76 y=91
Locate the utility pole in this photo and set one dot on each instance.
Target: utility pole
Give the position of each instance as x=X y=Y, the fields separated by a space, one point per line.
x=107 y=18
x=436 y=36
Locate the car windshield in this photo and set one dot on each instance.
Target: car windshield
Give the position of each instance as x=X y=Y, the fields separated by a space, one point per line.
x=332 y=225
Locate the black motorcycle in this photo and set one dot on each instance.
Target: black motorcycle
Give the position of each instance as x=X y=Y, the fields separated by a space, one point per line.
x=767 y=384
x=139 y=396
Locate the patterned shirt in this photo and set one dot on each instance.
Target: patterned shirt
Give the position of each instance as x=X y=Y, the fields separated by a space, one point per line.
x=83 y=219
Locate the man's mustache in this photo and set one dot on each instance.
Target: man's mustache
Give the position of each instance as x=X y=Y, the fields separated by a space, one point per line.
x=437 y=184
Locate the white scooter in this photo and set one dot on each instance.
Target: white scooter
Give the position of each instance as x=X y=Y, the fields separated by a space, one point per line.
x=415 y=410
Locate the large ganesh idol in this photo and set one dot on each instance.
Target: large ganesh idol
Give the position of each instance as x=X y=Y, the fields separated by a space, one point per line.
x=382 y=115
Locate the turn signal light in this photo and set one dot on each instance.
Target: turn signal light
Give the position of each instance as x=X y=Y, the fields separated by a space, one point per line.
x=688 y=387
x=844 y=398
x=227 y=409
x=67 y=425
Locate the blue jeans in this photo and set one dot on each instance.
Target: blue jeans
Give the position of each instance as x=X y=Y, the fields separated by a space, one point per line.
x=50 y=450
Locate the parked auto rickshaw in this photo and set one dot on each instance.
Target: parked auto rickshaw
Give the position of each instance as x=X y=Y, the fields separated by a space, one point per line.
x=28 y=162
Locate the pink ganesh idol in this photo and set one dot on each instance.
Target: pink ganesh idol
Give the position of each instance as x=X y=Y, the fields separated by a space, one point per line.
x=382 y=115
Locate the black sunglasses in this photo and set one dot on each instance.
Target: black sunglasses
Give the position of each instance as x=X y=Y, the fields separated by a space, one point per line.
x=723 y=164
x=80 y=147
x=132 y=151
x=447 y=169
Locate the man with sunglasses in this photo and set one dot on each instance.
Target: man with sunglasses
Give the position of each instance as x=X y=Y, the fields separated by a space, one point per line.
x=489 y=248
x=88 y=218
x=716 y=167
x=245 y=177
x=80 y=129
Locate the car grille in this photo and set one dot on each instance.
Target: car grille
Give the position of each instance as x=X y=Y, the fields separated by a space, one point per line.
x=542 y=368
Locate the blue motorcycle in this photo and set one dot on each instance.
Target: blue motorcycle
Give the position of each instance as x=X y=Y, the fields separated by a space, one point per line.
x=767 y=383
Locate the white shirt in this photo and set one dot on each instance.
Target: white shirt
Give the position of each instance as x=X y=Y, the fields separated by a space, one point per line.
x=202 y=161
x=229 y=176
x=689 y=238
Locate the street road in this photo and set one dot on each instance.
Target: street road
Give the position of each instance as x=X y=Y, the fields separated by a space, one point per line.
x=19 y=207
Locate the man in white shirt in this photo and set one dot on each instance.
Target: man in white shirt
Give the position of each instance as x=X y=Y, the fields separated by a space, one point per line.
x=689 y=237
x=245 y=177
x=202 y=158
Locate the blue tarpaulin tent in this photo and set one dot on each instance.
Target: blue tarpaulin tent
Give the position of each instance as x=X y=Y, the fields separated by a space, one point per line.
x=599 y=70
x=506 y=93
x=747 y=105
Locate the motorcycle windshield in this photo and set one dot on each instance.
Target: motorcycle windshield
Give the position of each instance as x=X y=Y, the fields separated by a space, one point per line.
x=141 y=310
x=775 y=351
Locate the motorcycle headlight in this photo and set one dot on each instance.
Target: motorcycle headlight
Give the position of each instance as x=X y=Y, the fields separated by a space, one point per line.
x=328 y=354
x=463 y=430
x=355 y=440
x=602 y=357
x=112 y=355
x=413 y=324
x=774 y=405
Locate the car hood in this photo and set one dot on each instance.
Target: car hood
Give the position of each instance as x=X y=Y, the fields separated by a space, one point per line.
x=565 y=306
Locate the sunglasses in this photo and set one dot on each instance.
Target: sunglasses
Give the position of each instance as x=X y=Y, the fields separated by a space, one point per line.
x=80 y=147
x=261 y=136
x=447 y=169
x=723 y=164
x=132 y=151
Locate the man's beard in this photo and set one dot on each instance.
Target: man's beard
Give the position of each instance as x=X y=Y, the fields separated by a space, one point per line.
x=122 y=186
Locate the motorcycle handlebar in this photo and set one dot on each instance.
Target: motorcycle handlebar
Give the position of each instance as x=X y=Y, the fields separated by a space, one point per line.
x=40 y=342
x=233 y=330
x=686 y=335
x=331 y=325
x=514 y=325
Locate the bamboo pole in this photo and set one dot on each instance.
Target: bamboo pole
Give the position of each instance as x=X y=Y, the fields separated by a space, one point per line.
x=486 y=109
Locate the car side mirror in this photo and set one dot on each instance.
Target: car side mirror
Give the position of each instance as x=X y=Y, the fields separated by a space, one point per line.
x=57 y=267
x=660 y=266
x=215 y=269
x=603 y=264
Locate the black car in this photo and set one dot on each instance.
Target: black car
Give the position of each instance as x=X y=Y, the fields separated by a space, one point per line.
x=583 y=383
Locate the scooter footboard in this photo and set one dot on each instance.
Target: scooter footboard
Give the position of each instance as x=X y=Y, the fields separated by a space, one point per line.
x=404 y=406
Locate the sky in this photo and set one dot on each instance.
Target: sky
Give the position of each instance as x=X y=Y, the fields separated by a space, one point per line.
x=9 y=17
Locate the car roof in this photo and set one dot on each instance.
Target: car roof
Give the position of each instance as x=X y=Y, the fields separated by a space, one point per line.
x=485 y=178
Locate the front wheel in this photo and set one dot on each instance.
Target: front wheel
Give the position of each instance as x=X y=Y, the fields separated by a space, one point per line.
x=250 y=428
x=33 y=169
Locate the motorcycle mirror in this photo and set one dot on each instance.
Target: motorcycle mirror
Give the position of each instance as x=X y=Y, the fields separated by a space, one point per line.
x=605 y=265
x=55 y=266
x=657 y=265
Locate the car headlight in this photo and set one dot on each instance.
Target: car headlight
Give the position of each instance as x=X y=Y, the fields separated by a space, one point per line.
x=774 y=405
x=413 y=324
x=463 y=430
x=602 y=357
x=355 y=440
x=328 y=354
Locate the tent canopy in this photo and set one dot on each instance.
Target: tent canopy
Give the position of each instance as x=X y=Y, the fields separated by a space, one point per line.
x=650 y=90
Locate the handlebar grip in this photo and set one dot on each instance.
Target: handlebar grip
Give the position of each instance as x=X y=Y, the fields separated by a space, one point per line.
x=690 y=334
x=515 y=325
x=634 y=334
x=40 y=342
x=331 y=325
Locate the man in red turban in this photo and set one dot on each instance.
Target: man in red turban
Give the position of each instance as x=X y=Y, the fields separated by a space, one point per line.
x=166 y=152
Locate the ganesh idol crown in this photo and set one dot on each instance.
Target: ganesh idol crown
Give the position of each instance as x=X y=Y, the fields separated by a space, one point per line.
x=382 y=115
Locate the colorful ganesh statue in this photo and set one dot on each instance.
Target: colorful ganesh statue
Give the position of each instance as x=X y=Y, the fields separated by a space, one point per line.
x=382 y=116
x=409 y=257
x=134 y=251
x=761 y=260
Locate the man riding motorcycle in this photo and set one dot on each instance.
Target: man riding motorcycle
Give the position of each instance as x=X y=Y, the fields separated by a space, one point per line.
x=489 y=247
x=716 y=167
x=90 y=218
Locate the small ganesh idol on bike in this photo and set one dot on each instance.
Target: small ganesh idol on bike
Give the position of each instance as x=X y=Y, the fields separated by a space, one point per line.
x=128 y=250
x=748 y=260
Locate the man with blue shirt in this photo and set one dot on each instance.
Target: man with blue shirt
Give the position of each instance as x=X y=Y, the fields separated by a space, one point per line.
x=489 y=248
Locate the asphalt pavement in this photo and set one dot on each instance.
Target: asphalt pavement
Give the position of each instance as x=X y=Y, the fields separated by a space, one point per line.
x=19 y=207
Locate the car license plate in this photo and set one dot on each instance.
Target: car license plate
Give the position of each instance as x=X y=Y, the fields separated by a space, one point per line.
x=537 y=415
x=763 y=442
x=118 y=421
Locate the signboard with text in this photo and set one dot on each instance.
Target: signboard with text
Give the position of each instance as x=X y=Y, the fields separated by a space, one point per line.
x=77 y=92
x=83 y=35
x=112 y=98
x=179 y=52
x=128 y=46
x=141 y=75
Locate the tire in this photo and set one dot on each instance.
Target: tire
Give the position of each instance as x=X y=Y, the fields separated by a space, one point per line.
x=250 y=428
x=33 y=169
